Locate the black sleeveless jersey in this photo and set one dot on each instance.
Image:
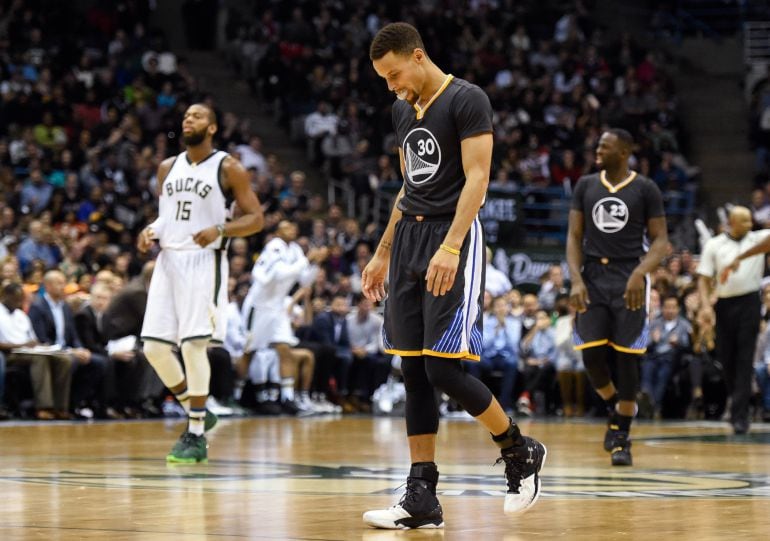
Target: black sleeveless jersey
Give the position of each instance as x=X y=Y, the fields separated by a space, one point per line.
x=430 y=140
x=615 y=217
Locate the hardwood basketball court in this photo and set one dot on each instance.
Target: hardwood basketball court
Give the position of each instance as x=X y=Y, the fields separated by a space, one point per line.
x=312 y=478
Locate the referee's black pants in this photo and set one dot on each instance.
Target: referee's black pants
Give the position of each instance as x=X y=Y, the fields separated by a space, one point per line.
x=737 y=328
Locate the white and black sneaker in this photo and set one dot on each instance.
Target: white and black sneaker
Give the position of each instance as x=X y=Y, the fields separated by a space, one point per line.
x=418 y=507
x=522 y=472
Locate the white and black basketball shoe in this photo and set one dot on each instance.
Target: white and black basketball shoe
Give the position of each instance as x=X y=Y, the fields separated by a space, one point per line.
x=522 y=473
x=418 y=508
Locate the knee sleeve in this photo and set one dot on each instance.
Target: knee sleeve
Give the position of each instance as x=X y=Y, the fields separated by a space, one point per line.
x=196 y=363
x=595 y=361
x=162 y=358
x=628 y=376
x=449 y=376
x=421 y=409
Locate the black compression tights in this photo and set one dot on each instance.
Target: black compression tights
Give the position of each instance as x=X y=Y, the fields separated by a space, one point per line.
x=424 y=374
x=595 y=361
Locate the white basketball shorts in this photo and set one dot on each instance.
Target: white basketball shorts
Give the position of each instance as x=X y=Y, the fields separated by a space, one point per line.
x=187 y=298
x=266 y=326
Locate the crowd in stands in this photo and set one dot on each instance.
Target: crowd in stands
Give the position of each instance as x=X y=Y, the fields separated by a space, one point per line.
x=90 y=103
x=554 y=76
x=760 y=134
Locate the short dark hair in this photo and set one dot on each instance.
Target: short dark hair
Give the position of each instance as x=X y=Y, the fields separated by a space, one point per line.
x=12 y=288
x=623 y=136
x=212 y=112
x=401 y=38
x=668 y=297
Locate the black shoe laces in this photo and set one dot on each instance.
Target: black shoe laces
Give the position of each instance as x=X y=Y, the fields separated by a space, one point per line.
x=514 y=470
x=411 y=494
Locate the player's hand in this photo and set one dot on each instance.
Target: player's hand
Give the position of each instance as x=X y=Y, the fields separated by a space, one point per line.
x=732 y=267
x=206 y=236
x=373 y=278
x=442 y=270
x=634 y=295
x=578 y=296
x=145 y=240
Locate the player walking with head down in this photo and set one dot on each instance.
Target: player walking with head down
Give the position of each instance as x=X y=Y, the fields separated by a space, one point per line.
x=187 y=299
x=615 y=214
x=433 y=250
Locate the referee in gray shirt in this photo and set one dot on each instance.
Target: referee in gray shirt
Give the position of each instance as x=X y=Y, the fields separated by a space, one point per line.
x=737 y=308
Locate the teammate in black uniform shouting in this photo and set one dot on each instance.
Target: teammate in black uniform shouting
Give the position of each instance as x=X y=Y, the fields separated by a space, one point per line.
x=435 y=247
x=614 y=215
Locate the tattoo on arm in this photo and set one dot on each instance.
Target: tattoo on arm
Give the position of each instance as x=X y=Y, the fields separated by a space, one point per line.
x=386 y=245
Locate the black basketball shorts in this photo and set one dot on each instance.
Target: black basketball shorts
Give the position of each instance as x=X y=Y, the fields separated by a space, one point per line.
x=607 y=321
x=416 y=321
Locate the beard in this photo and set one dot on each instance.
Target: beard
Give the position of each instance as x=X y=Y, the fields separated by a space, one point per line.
x=194 y=138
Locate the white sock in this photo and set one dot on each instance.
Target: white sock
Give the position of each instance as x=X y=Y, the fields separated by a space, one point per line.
x=287 y=389
x=184 y=400
x=196 y=421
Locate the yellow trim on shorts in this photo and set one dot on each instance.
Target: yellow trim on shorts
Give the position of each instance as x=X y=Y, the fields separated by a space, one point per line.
x=593 y=344
x=627 y=350
x=404 y=352
x=459 y=355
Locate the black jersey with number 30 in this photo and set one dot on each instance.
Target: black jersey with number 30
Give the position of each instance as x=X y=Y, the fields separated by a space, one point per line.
x=615 y=217
x=430 y=140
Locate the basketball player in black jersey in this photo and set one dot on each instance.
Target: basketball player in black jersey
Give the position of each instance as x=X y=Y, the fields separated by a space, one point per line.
x=615 y=214
x=433 y=250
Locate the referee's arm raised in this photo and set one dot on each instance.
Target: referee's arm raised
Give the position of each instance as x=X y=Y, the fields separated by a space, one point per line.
x=761 y=248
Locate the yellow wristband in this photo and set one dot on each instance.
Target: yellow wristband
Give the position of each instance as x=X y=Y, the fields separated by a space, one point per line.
x=449 y=249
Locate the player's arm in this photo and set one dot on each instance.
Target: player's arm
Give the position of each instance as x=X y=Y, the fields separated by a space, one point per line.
x=635 y=293
x=657 y=231
x=236 y=179
x=575 y=229
x=151 y=232
x=373 y=275
x=476 y=154
x=386 y=241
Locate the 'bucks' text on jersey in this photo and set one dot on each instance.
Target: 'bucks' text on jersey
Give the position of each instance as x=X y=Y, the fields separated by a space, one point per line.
x=191 y=200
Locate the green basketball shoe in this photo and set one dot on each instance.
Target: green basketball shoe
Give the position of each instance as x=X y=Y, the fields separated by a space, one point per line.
x=189 y=449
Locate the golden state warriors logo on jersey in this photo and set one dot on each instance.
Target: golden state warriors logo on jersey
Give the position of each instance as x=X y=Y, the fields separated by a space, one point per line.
x=610 y=215
x=422 y=155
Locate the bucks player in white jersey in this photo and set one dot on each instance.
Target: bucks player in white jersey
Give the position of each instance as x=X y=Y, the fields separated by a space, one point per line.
x=280 y=266
x=187 y=299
